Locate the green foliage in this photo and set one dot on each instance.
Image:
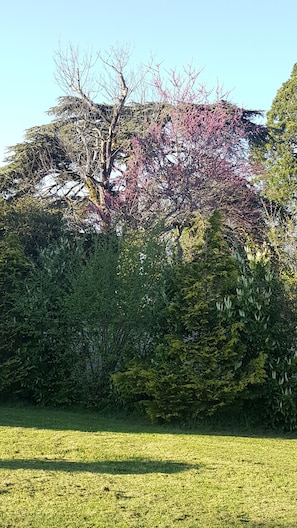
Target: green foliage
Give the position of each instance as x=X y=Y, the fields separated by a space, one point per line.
x=43 y=325
x=28 y=230
x=100 y=331
x=281 y=392
x=269 y=330
x=281 y=388
x=13 y=269
x=183 y=330
x=180 y=340
x=198 y=366
x=278 y=157
x=72 y=149
x=87 y=304
x=28 y=163
x=112 y=305
x=278 y=153
x=35 y=224
x=187 y=381
x=253 y=303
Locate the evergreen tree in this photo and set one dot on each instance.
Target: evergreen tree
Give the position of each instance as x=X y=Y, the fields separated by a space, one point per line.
x=197 y=367
x=278 y=153
x=13 y=268
x=43 y=327
x=35 y=223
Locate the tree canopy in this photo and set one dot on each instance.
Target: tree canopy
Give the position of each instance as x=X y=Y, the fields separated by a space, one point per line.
x=278 y=153
x=139 y=268
x=134 y=163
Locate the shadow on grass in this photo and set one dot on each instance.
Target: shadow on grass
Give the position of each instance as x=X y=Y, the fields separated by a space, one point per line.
x=92 y=422
x=134 y=466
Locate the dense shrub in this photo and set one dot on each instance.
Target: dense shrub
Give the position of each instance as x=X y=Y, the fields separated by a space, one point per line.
x=201 y=362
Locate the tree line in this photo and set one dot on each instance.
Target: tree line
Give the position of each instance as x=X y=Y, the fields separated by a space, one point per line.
x=147 y=249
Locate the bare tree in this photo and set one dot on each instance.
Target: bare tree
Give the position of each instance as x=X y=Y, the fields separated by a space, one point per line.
x=94 y=147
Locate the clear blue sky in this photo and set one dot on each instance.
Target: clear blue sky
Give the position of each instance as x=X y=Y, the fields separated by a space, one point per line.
x=249 y=47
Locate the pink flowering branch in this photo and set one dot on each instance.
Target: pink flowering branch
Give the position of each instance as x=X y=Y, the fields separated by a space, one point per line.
x=193 y=159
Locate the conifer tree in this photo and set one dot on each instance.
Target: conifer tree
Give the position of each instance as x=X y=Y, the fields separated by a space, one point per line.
x=13 y=268
x=279 y=153
x=197 y=367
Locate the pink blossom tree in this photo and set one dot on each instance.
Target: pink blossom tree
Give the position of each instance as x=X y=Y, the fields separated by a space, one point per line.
x=193 y=159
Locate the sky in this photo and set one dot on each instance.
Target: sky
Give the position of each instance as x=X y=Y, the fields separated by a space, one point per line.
x=247 y=47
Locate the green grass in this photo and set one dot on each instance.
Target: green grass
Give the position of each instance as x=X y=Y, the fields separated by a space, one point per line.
x=63 y=469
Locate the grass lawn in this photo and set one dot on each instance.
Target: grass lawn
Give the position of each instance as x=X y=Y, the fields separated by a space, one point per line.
x=63 y=469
